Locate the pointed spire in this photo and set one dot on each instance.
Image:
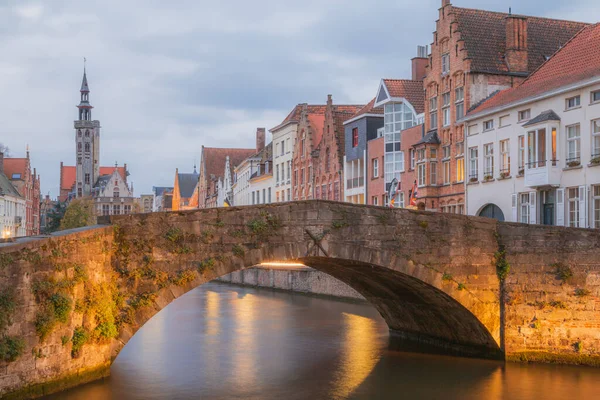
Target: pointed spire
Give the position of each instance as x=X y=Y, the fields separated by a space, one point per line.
x=84 y=83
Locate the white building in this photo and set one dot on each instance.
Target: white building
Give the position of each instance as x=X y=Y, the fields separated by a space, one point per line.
x=284 y=137
x=12 y=209
x=533 y=152
x=253 y=179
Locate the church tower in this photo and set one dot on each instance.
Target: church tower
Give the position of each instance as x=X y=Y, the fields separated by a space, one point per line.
x=87 y=144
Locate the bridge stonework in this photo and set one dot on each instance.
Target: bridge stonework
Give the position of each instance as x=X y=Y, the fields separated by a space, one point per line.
x=464 y=285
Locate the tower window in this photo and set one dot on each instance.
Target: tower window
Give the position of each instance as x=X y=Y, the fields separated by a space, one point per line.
x=87 y=133
x=79 y=146
x=87 y=178
x=79 y=133
x=87 y=147
x=78 y=160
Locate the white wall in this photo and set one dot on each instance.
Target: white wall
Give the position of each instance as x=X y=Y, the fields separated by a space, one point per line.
x=287 y=135
x=11 y=207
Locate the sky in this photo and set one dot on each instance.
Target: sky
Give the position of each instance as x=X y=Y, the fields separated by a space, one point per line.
x=167 y=77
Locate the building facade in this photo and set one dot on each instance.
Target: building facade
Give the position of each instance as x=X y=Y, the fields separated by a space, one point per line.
x=376 y=194
x=464 y=69
x=534 y=151
x=158 y=196
x=12 y=208
x=27 y=183
x=112 y=195
x=146 y=203
x=359 y=130
x=183 y=190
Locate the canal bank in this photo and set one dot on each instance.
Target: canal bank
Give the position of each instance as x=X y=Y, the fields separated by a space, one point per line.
x=291 y=278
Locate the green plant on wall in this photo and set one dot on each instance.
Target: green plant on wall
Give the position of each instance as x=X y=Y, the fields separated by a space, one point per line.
x=502 y=266
x=11 y=348
x=80 y=337
x=562 y=272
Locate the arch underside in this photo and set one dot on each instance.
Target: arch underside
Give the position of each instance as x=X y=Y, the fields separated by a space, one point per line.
x=415 y=311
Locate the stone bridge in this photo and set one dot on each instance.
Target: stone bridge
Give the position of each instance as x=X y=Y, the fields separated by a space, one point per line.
x=463 y=285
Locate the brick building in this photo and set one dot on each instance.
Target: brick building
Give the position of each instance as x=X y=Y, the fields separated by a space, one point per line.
x=473 y=54
x=317 y=160
x=376 y=194
x=27 y=183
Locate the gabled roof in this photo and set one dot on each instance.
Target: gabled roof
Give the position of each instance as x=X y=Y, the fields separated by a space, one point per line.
x=6 y=188
x=484 y=36
x=15 y=166
x=69 y=175
x=294 y=115
x=214 y=159
x=430 y=138
x=576 y=62
x=187 y=184
x=547 y=115
x=367 y=109
x=411 y=91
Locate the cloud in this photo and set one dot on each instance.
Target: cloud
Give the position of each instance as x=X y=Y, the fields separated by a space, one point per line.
x=169 y=77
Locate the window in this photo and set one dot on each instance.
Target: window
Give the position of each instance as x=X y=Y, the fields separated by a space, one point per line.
x=354 y=137
x=573 y=206
x=521 y=160
x=524 y=207
x=302 y=148
x=87 y=147
x=87 y=178
x=459 y=94
x=460 y=169
x=79 y=146
x=127 y=209
x=472 y=130
x=433 y=113
x=396 y=117
x=573 y=145
x=79 y=160
x=79 y=135
x=277 y=173
x=394 y=165
x=536 y=148
x=116 y=193
x=289 y=167
x=105 y=209
x=433 y=153
x=258 y=197
x=488 y=125
x=411 y=152
x=302 y=176
x=421 y=174
x=282 y=148
x=289 y=195
x=446 y=108
x=16 y=176
x=446 y=172
x=595 y=96
x=375 y=163
x=504 y=158
x=116 y=209
x=596 y=206
x=401 y=199
x=446 y=150
x=524 y=115
x=374 y=200
x=473 y=164
x=433 y=173
x=503 y=121
x=488 y=161
x=421 y=153
x=572 y=102
x=596 y=139
x=87 y=133
x=445 y=63
x=264 y=197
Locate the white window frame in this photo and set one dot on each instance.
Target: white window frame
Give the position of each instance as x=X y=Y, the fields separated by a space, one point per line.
x=473 y=163
x=433 y=173
x=433 y=121
x=445 y=63
x=524 y=115
x=573 y=143
x=595 y=131
x=460 y=169
x=472 y=130
x=596 y=206
x=572 y=102
x=504 y=121
x=524 y=208
x=521 y=154
x=375 y=162
x=488 y=160
x=488 y=125
x=573 y=209
x=459 y=100
x=534 y=147
x=421 y=174
x=446 y=108
x=446 y=167
x=413 y=156
x=593 y=94
x=505 y=157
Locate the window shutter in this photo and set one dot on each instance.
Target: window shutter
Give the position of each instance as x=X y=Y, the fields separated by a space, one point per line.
x=514 y=207
x=582 y=207
x=532 y=208
x=560 y=207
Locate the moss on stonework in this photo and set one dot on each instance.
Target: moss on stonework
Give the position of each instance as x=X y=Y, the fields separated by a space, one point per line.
x=143 y=300
x=8 y=303
x=6 y=260
x=238 y=250
x=184 y=277
x=502 y=266
x=555 y=358
x=562 y=272
x=11 y=348
x=206 y=265
x=61 y=383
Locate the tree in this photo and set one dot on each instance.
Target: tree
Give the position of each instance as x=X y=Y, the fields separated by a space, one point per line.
x=80 y=212
x=4 y=149
x=54 y=217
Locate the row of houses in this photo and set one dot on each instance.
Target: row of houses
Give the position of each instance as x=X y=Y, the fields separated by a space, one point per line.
x=499 y=118
x=19 y=197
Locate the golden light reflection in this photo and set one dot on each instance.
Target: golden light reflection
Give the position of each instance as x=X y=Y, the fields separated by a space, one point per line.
x=360 y=354
x=213 y=325
x=281 y=264
x=243 y=347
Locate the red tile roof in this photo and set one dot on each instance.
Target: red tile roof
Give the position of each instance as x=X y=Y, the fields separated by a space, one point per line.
x=484 y=36
x=411 y=90
x=68 y=175
x=317 y=122
x=368 y=109
x=575 y=62
x=294 y=115
x=214 y=159
x=15 y=166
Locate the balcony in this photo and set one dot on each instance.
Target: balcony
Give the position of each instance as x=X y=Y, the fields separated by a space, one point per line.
x=87 y=124
x=542 y=173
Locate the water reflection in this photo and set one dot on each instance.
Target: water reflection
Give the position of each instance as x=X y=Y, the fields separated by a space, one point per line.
x=226 y=342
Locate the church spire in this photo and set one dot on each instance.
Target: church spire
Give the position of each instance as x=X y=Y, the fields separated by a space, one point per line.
x=85 y=108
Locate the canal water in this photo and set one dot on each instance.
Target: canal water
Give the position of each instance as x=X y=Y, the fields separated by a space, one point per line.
x=227 y=342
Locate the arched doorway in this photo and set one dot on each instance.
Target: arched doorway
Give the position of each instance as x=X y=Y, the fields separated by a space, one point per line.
x=492 y=211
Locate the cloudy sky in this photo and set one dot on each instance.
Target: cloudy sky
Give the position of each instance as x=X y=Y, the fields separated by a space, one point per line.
x=169 y=76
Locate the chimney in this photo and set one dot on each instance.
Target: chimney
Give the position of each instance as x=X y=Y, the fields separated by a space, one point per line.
x=260 y=139
x=419 y=63
x=329 y=100
x=1 y=162
x=516 y=43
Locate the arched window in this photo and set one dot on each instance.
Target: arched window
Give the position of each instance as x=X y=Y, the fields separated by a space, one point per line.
x=327 y=160
x=492 y=211
x=87 y=133
x=79 y=132
x=87 y=147
x=79 y=146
